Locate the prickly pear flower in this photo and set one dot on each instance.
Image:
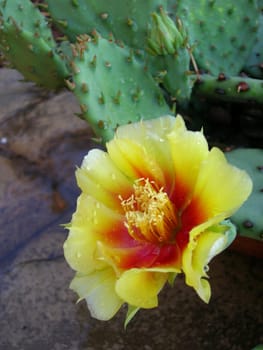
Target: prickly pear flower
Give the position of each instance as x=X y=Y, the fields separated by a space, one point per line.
x=152 y=206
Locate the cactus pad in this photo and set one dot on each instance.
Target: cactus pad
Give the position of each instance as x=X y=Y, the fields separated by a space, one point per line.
x=254 y=64
x=249 y=218
x=112 y=86
x=24 y=34
x=27 y=17
x=223 y=33
x=169 y=56
x=127 y=20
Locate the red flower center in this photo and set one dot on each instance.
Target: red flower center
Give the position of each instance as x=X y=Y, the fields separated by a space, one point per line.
x=150 y=215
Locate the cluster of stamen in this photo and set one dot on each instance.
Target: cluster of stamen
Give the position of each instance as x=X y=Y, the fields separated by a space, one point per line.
x=150 y=215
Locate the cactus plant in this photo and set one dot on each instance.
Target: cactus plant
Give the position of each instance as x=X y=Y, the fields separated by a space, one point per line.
x=223 y=33
x=254 y=64
x=28 y=44
x=169 y=55
x=232 y=89
x=112 y=86
x=125 y=20
x=249 y=218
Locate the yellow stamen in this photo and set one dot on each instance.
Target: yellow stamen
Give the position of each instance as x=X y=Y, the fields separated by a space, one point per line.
x=150 y=214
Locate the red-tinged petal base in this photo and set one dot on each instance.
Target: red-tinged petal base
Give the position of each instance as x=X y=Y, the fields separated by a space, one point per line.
x=142 y=256
x=121 y=248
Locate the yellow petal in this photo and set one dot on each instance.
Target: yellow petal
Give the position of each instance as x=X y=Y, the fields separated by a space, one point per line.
x=80 y=253
x=140 y=287
x=91 y=221
x=134 y=160
x=199 y=253
x=154 y=128
x=221 y=188
x=141 y=149
x=189 y=149
x=100 y=178
x=98 y=288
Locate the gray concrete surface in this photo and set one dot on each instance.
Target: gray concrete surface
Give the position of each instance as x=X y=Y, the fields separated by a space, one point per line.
x=41 y=142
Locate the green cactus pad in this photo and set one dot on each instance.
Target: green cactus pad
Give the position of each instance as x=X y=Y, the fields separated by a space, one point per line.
x=27 y=17
x=112 y=86
x=221 y=32
x=258 y=347
x=249 y=218
x=254 y=64
x=28 y=45
x=169 y=56
x=127 y=20
x=231 y=89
